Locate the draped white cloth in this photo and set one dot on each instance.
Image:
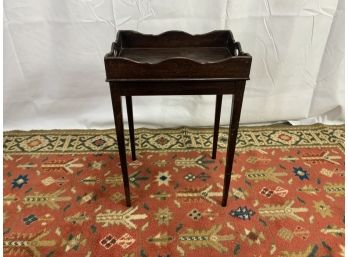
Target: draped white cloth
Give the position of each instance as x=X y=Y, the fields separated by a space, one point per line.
x=54 y=72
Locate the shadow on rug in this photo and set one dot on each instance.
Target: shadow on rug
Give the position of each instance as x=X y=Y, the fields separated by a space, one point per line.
x=63 y=194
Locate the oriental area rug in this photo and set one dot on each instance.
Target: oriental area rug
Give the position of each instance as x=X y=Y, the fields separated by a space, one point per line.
x=63 y=194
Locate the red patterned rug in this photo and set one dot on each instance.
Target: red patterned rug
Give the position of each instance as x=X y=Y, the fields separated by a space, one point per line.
x=63 y=194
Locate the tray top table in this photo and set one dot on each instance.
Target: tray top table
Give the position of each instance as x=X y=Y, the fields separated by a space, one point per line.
x=177 y=63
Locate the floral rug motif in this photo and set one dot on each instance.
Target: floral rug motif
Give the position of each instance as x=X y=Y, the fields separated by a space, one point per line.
x=63 y=194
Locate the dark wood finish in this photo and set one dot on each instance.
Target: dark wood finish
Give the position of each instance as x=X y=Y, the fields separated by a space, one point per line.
x=232 y=139
x=156 y=55
x=176 y=54
x=117 y=108
x=192 y=87
x=177 y=63
x=179 y=68
x=131 y=125
x=216 y=124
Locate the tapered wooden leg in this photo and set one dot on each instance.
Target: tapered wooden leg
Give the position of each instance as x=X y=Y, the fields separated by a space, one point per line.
x=216 y=124
x=232 y=138
x=117 y=108
x=131 y=125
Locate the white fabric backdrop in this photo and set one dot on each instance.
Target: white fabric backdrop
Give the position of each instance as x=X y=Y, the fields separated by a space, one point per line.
x=54 y=71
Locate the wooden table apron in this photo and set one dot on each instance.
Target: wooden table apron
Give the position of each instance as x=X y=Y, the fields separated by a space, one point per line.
x=144 y=87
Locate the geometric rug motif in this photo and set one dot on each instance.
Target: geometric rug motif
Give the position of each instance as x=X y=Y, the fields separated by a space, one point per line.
x=63 y=193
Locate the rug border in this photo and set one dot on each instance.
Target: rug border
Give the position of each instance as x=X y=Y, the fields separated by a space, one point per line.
x=251 y=136
x=241 y=128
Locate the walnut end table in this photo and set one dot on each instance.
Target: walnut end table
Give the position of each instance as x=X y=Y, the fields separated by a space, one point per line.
x=177 y=63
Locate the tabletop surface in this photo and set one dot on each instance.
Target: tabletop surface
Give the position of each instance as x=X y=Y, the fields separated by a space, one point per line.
x=155 y=55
